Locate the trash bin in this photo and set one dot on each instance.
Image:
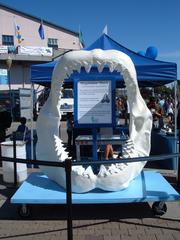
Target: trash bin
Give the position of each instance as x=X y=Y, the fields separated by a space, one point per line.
x=8 y=167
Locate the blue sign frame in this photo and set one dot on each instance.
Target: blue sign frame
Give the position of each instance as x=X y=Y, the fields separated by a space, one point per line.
x=94 y=125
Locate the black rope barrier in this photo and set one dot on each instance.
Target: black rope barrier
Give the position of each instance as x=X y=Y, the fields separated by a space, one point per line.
x=128 y=160
x=39 y=162
x=77 y=163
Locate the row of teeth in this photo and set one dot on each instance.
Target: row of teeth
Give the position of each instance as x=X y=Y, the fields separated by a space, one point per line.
x=60 y=149
x=76 y=66
x=104 y=171
x=100 y=66
x=87 y=65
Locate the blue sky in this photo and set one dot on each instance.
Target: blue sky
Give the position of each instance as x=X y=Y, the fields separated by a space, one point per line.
x=136 y=24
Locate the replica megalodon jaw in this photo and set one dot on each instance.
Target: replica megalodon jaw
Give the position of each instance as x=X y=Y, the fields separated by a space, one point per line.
x=50 y=147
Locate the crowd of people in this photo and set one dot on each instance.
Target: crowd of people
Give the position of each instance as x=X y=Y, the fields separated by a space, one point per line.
x=162 y=109
x=163 y=112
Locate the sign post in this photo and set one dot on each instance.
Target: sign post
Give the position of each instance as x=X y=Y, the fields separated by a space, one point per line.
x=94 y=106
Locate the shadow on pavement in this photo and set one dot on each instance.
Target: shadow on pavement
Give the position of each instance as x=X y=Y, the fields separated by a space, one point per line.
x=115 y=212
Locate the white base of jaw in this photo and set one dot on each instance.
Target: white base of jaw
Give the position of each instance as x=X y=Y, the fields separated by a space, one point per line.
x=49 y=147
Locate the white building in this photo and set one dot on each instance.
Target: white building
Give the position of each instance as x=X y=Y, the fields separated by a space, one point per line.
x=21 y=46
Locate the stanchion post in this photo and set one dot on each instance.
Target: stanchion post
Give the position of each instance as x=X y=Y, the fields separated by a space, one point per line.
x=14 y=156
x=68 y=167
x=178 y=175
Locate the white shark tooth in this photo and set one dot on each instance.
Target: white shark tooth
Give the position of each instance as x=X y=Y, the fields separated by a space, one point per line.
x=103 y=171
x=70 y=71
x=112 y=67
x=125 y=155
x=87 y=67
x=118 y=68
x=113 y=169
x=120 y=166
x=126 y=151
x=58 y=152
x=129 y=142
x=100 y=67
x=78 y=170
x=63 y=156
x=88 y=172
x=128 y=146
x=58 y=141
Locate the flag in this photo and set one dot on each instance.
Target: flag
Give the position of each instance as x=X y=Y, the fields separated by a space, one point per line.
x=81 y=40
x=105 y=30
x=41 y=31
x=18 y=32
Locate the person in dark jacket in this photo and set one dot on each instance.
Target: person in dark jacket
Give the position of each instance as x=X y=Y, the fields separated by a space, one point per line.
x=22 y=127
x=178 y=115
x=5 y=122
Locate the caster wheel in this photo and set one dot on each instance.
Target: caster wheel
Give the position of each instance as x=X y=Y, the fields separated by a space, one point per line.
x=159 y=208
x=24 y=211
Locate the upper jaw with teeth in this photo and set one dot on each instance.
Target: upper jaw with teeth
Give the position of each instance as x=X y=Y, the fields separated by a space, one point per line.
x=49 y=146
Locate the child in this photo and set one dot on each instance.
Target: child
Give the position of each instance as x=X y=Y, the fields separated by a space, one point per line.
x=22 y=127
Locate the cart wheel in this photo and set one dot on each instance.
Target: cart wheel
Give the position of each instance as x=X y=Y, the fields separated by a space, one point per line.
x=24 y=211
x=159 y=208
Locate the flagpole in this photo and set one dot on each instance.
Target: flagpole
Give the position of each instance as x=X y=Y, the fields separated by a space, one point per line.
x=79 y=37
x=81 y=41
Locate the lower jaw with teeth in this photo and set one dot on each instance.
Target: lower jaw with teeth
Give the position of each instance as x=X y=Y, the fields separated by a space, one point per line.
x=113 y=177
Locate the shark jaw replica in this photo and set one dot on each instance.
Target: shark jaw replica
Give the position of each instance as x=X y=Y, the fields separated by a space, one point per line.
x=49 y=147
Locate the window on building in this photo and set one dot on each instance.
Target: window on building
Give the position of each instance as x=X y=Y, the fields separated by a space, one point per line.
x=8 y=40
x=53 y=42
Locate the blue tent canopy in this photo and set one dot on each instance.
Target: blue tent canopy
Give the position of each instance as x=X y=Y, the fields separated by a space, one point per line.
x=150 y=72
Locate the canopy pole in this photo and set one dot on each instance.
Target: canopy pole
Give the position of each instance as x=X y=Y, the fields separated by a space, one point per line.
x=32 y=106
x=175 y=126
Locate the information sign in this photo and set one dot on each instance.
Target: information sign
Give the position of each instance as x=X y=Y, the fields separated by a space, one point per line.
x=94 y=102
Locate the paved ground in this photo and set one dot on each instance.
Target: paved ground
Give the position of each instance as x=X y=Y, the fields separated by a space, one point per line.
x=124 y=221
x=104 y=222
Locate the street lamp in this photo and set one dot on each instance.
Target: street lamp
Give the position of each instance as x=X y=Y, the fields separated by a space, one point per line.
x=9 y=64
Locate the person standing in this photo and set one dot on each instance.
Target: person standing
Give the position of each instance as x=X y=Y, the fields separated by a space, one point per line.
x=70 y=126
x=157 y=113
x=22 y=128
x=170 y=112
x=127 y=110
x=5 y=122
